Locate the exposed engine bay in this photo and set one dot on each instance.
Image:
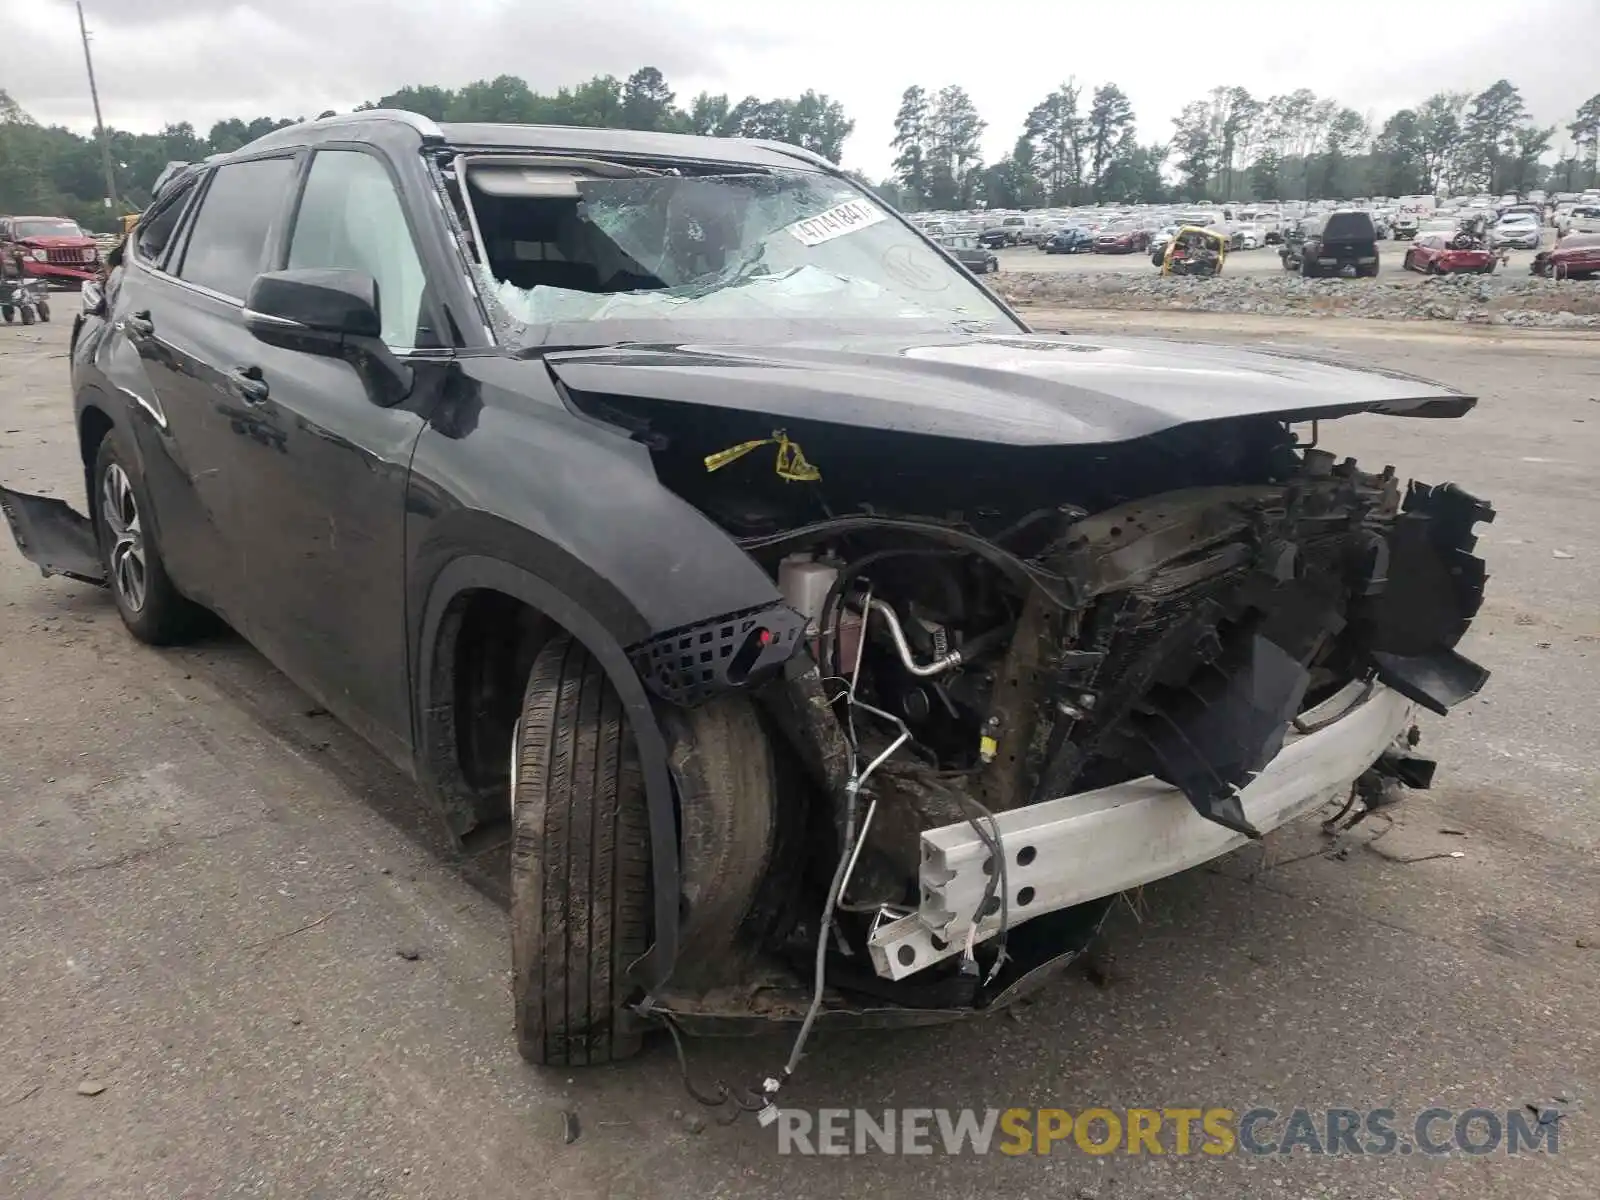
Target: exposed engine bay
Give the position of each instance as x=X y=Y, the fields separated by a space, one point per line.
x=1069 y=618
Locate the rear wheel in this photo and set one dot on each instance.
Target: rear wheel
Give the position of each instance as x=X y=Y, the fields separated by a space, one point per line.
x=9 y=313
x=151 y=606
x=27 y=314
x=580 y=864
x=1307 y=270
x=44 y=311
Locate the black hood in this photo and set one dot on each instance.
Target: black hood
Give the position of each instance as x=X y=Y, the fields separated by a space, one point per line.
x=1022 y=389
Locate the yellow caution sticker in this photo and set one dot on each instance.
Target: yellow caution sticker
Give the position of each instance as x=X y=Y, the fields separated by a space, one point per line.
x=791 y=464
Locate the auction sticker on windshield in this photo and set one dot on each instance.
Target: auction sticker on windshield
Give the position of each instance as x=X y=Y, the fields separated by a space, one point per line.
x=836 y=222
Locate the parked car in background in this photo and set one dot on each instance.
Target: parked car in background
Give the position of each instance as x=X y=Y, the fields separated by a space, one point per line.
x=1159 y=240
x=1580 y=218
x=1344 y=239
x=1122 y=237
x=1576 y=256
x=1405 y=226
x=1023 y=231
x=964 y=248
x=1444 y=254
x=1269 y=223
x=1074 y=239
x=52 y=249
x=1249 y=237
x=994 y=238
x=1516 y=231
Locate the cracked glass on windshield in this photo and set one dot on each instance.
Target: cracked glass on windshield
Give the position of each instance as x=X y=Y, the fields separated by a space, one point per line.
x=576 y=258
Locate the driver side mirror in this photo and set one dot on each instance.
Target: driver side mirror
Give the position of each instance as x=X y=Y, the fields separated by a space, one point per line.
x=312 y=309
x=93 y=298
x=333 y=313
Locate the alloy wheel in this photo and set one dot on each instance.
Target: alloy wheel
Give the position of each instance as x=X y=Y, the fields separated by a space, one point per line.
x=119 y=508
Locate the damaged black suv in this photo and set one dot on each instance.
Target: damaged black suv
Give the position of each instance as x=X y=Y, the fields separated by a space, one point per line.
x=823 y=644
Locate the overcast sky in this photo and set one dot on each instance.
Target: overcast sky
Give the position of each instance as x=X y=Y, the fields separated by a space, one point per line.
x=162 y=61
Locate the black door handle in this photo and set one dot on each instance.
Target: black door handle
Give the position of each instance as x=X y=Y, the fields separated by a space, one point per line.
x=139 y=325
x=248 y=383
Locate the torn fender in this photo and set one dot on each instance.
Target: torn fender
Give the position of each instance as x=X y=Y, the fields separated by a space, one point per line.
x=53 y=536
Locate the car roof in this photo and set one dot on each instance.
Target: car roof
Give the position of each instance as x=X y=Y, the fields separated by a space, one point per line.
x=632 y=143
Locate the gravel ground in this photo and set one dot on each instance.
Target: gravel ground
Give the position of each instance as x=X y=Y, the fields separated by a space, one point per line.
x=1254 y=282
x=1501 y=299
x=205 y=888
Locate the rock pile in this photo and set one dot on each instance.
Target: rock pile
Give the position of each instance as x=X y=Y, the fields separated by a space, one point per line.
x=1519 y=300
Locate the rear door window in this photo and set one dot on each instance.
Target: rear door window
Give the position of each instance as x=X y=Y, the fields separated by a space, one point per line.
x=228 y=238
x=153 y=234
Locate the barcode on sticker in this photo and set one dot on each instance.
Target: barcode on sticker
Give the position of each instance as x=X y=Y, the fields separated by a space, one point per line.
x=836 y=222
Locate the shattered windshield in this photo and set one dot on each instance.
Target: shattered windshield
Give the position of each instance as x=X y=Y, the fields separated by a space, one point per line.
x=728 y=255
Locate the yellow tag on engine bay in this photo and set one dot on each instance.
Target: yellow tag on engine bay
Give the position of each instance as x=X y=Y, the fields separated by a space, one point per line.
x=791 y=464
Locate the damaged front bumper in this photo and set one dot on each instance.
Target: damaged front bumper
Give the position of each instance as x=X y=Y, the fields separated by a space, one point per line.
x=53 y=536
x=1094 y=844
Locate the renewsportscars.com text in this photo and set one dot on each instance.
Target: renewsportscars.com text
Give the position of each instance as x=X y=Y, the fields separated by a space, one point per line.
x=1167 y=1131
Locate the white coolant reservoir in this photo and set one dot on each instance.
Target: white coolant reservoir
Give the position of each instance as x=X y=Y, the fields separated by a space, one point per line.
x=804 y=583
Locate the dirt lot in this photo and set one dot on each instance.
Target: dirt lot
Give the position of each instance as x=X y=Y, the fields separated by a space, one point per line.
x=206 y=890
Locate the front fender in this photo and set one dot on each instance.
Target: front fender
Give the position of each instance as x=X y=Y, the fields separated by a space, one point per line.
x=596 y=518
x=512 y=491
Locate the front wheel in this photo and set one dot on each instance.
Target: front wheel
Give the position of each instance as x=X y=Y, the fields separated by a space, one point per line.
x=151 y=606
x=44 y=311
x=581 y=894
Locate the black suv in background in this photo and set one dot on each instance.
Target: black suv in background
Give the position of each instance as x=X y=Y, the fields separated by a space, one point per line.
x=1330 y=244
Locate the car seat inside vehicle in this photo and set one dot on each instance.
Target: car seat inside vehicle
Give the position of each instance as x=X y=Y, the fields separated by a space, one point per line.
x=535 y=233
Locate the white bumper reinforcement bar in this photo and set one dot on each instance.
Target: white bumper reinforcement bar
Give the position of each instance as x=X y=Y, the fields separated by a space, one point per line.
x=1093 y=844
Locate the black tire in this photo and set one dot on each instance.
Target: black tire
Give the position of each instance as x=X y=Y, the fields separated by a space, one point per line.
x=9 y=313
x=44 y=311
x=27 y=314
x=156 y=612
x=1307 y=270
x=581 y=894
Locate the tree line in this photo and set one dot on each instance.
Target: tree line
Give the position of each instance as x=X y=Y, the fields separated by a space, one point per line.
x=50 y=169
x=1077 y=145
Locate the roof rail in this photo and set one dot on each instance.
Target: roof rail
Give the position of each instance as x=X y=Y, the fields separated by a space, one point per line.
x=426 y=127
x=792 y=151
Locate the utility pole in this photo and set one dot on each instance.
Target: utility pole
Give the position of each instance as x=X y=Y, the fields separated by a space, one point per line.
x=99 y=125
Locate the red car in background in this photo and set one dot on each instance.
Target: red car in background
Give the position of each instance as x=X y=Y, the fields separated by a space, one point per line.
x=53 y=249
x=1122 y=238
x=1576 y=256
x=1447 y=254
